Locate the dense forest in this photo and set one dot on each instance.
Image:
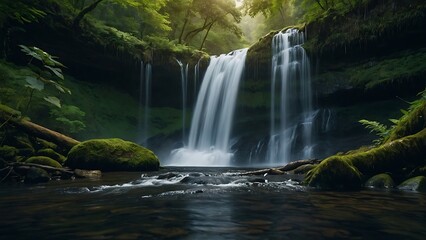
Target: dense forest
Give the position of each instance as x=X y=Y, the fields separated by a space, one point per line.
x=236 y=111
x=72 y=65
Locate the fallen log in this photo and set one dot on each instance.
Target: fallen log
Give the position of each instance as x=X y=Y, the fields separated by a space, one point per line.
x=47 y=168
x=38 y=131
x=293 y=165
x=282 y=170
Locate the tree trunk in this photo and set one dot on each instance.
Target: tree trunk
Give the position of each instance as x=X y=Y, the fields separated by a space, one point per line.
x=184 y=25
x=39 y=131
x=281 y=170
x=83 y=12
x=205 y=36
x=193 y=33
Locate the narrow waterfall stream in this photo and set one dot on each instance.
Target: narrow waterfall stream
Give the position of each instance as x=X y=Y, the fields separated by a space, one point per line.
x=184 y=84
x=144 y=101
x=291 y=100
x=208 y=143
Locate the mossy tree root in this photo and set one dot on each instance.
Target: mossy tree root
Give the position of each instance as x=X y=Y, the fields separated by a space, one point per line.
x=349 y=171
x=38 y=131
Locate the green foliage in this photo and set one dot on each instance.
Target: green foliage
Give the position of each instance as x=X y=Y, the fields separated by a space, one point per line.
x=51 y=69
x=337 y=172
x=70 y=118
x=20 y=11
x=365 y=23
x=375 y=127
x=412 y=121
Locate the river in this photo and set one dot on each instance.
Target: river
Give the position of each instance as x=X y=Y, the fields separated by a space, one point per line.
x=204 y=203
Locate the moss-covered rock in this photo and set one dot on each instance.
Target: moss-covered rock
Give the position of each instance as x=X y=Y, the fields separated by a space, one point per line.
x=36 y=175
x=334 y=173
x=43 y=144
x=382 y=180
x=391 y=157
x=112 y=155
x=8 y=152
x=414 y=184
x=47 y=152
x=42 y=160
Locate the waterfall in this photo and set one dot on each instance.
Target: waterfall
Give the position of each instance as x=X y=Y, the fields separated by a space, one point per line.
x=291 y=99
x=196 y=76
x=148 y=79
x=140 y=108
x=145 y=77
x=184 y=84
x=208 y=143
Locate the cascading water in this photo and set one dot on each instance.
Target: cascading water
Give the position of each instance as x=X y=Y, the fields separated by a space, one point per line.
x=144 y=101
x=291 y=106
x=196 y=76
x=184 y=84
x=140 y=109
x=208 y=143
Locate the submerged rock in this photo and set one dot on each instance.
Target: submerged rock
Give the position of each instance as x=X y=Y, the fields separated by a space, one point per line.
x=87 y=173
x=414 y=184
x=382 y=180
x=36 y=175
x=112 y=155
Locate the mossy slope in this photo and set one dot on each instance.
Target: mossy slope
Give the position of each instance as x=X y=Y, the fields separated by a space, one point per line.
x=405 y=148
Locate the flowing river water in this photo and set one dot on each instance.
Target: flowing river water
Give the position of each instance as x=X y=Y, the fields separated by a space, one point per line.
x=204 y=203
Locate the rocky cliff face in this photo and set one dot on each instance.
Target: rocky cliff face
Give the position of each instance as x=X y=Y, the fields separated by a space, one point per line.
x=363 y=64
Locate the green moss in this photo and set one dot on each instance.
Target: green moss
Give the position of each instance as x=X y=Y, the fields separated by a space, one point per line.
x=405 y=65
x=8 y=152
x=10 y=111
x=254 y=99
x=341 y=30
x=398 y=68
x=42 y=144
x=414 y=184
x=412 y=122
x=112 y=155
x=334 y=173
x=390 y=157
x=382 y=180
x=42 y=160
x=47 y=152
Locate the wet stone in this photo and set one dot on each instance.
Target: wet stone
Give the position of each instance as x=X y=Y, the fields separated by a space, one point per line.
x=167 y=175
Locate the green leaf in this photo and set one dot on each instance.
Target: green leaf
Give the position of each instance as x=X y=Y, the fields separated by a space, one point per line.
x=405 y=112
x=394 y=121
x=53 y=100
x=60 y=87
x=34 y=83
x=56 y=71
